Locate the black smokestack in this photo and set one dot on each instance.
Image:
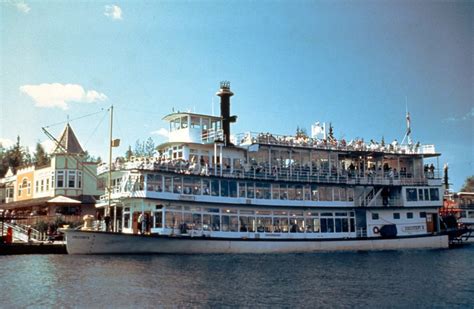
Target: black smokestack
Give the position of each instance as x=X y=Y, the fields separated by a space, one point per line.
x=225 y=95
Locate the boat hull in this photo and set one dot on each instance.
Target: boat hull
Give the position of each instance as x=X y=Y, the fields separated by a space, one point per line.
x=88 y=242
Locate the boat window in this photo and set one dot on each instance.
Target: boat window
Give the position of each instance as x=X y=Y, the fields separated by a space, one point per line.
x=234 y=224
x=215 y=187
x=232 y=188
x=341 y=214
x=296 y=213
x=396 y=215
x=434 y=194
x=276 y=191
x=280 y=225
x=224 y=188
x=242 y=189
x=158 y=219
x=250 y=190
x=375 y=216
x=192 y=208
x=314 y=193
x=246 y=212
x=214 y=210
x=307 y=192
x=184 y=122
x=264 y=224
x=225 y=223
x=177 y=185
x=338 y=225
x=206 y=184
x=247 y=224
x=296 y=225
x=280 y=213
x=174 y=207
x=427 y=195
x=312 y=213
x=168 y=184
x=229 y=211
x=263 y=212
x=126 y=220
x=422 y=214
x=327 y=225
x=420 y=194
x=215 y=223
x=156 y=207
x=205 y=123
x=197 y=221
x=195 y=122
x=411 y=195
x=206 y=222
x=326 y=214
x=352 y=224
x=291 y=192
x=299 y=192
x=283 y=191
x=409 y=215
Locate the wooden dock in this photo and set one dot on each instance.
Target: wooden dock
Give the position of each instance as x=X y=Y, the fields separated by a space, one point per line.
x=33 y=248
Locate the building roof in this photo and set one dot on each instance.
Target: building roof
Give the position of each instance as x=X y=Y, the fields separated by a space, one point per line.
x=44 y=201
x=68 y=142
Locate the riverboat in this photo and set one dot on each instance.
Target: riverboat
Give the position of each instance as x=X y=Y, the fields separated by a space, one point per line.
x=212 y=192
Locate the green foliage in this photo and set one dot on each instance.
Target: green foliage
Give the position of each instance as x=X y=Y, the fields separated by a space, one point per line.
x=129 y=153
x=40 y=157
x=331 y=132
x=144 y=149
x=468 y=185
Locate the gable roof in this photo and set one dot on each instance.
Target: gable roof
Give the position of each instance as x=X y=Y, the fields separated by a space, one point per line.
x=68 y=142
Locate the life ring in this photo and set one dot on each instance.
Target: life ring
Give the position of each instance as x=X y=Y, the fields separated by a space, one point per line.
x=376 y=230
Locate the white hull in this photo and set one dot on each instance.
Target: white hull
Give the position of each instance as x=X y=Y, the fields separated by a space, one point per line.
x=85 y=242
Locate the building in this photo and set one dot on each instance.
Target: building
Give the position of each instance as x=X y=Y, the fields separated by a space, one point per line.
x=65 y=188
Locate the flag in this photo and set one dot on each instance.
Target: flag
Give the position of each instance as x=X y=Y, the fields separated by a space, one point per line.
x=408 y=124
x=115 y=142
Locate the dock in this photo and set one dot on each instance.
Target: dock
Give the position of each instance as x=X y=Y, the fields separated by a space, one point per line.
x=33 y=248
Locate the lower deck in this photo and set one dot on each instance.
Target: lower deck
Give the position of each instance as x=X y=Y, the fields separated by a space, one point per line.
x=146 y=216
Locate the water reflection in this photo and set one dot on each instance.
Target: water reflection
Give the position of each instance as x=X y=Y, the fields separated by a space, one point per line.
x=396 y=278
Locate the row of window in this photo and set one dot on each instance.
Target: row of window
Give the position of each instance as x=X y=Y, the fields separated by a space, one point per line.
x=267 y=221
x=396 y=215
x=422 y=194
x=247 y=189
x=68 y=179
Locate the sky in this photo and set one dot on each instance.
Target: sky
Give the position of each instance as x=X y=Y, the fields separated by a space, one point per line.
x=356 y=64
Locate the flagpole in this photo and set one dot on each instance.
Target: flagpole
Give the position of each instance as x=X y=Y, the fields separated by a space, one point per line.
x=107 y=212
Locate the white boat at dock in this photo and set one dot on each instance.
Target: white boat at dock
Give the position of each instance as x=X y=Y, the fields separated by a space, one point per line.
x=210 y=192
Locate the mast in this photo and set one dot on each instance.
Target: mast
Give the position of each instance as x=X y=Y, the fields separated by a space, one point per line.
x=107 y=212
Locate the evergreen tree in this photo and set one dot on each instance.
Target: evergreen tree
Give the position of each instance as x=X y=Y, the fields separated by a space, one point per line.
x=468 y=185
x=139 y=148
x=150 y=149
x=15 y=155
x=40 y=158
x=128 y=153
x=331 y=132
x=3 y=161
x=382 y=143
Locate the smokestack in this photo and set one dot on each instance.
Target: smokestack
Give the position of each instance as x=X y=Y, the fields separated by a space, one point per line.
x=225 y=95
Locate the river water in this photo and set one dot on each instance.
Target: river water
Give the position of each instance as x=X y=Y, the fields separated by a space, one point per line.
x=434 y=278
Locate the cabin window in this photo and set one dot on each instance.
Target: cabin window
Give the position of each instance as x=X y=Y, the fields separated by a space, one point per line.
x=168 y=184
x=206 y=184
x=250 y=190
x=375 y=216
x=215 y=222
x=177 y=185
x=420 y=194
x=422 y=214
x=327 y=225
x=215 y=187
x=427 y=195
x=195 y=122
x=396 y=215
x=224 y=188
x=434 y=194
x=280 y=225
x=409 y=215
x=411 y=195
x=314 y=193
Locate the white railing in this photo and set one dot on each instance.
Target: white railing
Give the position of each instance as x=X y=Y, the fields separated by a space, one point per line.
x=249 y=138
x=20 y=232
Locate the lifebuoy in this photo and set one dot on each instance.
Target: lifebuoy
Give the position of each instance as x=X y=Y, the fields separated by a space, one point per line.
x=376 y=230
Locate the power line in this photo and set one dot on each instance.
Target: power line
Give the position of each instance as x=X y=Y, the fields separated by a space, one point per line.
x=73 y=119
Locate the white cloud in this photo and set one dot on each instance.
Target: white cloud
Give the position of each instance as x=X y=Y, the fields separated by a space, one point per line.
x=59 y=95
x=48 y=146
x=113 y=12
x=6 y=142
x=468 y=116
x=162 y=132
x=20 y=5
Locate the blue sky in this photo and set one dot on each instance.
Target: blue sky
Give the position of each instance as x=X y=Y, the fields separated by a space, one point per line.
x=290 y=63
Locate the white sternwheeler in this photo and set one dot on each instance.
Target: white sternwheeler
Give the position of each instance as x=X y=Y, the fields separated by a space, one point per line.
x=210 y=192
